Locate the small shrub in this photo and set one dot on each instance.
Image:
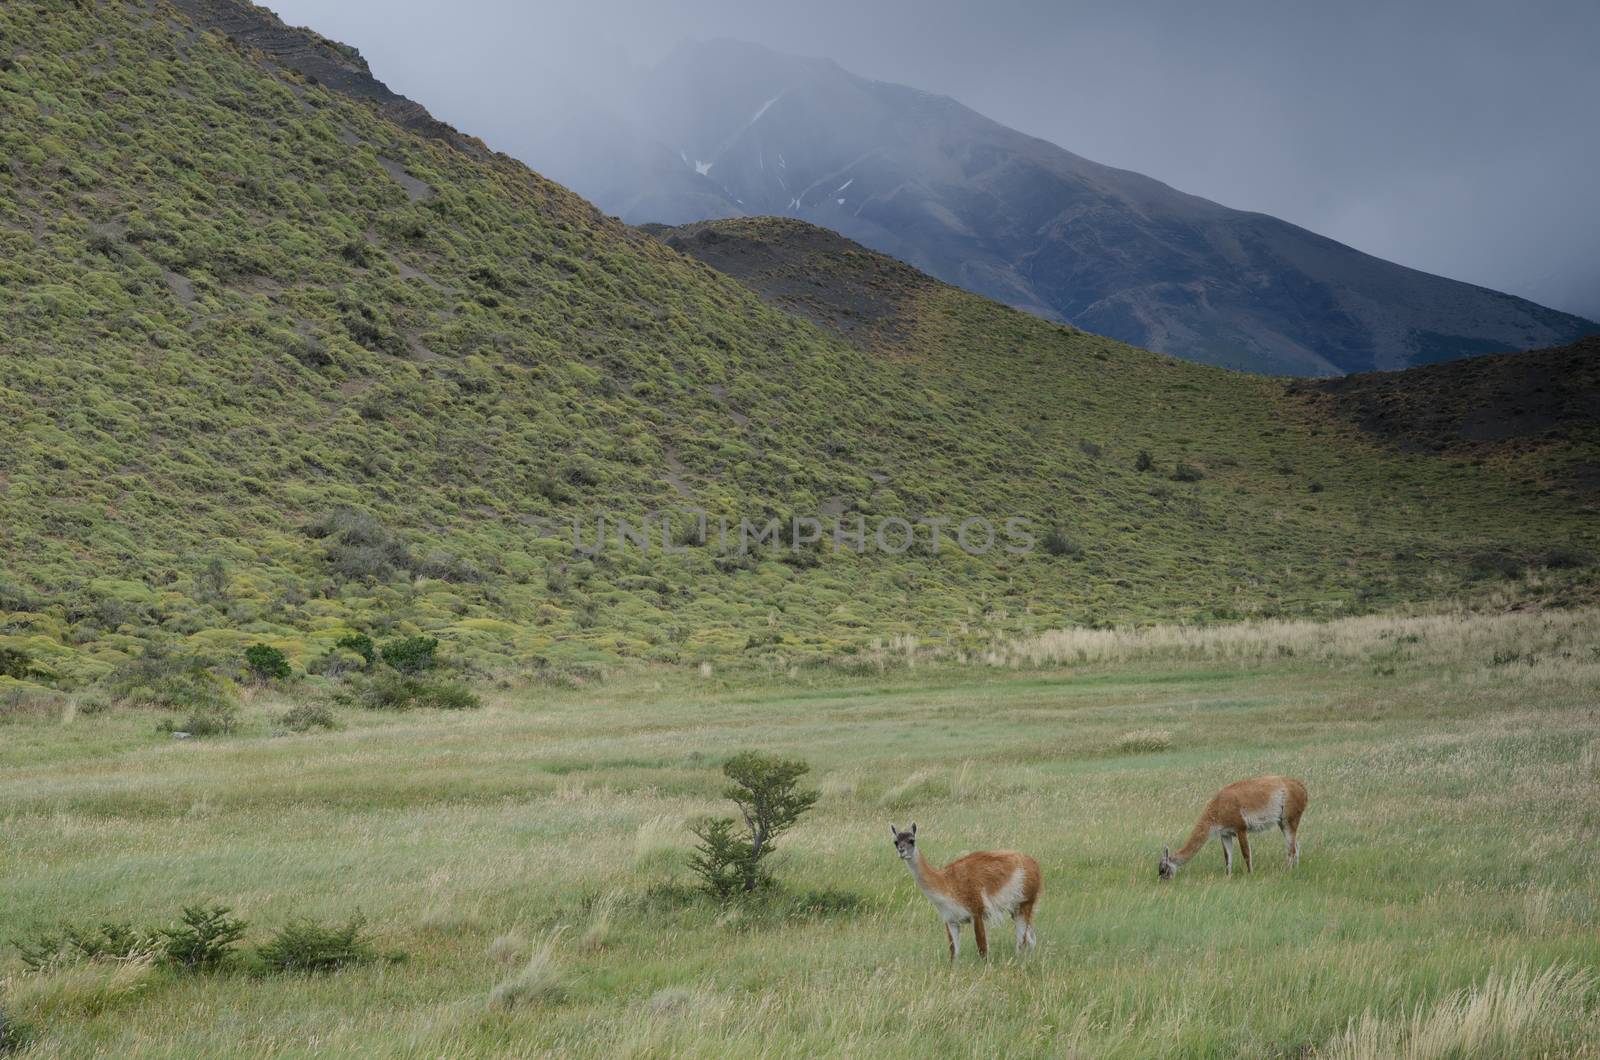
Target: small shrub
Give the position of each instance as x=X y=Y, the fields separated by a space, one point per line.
x=304 y=717
x=1561 y=558
x=1144 y=461
x=205 y=721
x=15 y=663
x=306 y=946
x=69 y=944
x=359 y=547
x=1058 y=543
x=722 y=859
x=1182 y=472
x=1144 y=741
x=411 y=655
x=89 y=706
x=1489 y=564
x=161 y=679
x=1089 y=449
x=1316 y=486
x=393 y=691
x=266 y=663
x=204 y=938
x=361 y=644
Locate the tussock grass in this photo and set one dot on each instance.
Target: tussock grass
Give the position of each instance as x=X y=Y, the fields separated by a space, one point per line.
x=1143 y=741
x=1508 y=1014
x=539 y=981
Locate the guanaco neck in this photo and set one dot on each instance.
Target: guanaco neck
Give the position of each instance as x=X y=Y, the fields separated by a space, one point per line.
x=928 y=878
x=1197 y=839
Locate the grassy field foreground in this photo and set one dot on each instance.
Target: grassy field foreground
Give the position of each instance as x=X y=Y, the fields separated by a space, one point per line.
x=527 y=858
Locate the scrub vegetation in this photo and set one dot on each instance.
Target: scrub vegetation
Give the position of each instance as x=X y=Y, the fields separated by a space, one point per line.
x=280 y=374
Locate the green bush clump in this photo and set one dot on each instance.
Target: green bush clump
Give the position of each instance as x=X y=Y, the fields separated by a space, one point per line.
x=69 y=944
x=361 y=644
x=204 y=938
x=411 y=655
x=303 y=717
x=307 y=946
x=1057 y=543
x=730 y=859
x=1144 y=461
x=266 y=663
x=395 y=691
x=359 y=547
x=15 y=663
x=1182 y=472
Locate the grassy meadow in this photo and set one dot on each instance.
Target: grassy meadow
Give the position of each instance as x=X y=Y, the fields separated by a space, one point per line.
x=527 y=859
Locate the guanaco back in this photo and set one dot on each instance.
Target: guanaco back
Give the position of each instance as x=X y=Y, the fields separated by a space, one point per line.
x=1236 y=811
x=978 y=887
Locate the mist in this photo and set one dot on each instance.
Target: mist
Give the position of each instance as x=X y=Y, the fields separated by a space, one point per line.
x=1452 y=137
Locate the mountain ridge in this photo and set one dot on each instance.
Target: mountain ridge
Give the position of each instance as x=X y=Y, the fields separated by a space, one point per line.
x=1010 y=216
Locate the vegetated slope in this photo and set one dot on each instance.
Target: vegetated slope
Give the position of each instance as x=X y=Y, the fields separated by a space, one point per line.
x=1022 y=221
x=1543 y=403
x=277 y=368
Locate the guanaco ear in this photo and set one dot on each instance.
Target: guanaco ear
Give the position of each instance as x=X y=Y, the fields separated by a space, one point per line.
x=913 y=829
x=1166 y=852
x=893 y=830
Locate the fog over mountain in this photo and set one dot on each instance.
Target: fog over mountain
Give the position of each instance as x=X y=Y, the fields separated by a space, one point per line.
x=1451 y=137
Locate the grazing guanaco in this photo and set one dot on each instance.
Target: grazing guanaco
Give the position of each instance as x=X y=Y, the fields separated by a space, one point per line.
x=982 y=886
x=1237 y=810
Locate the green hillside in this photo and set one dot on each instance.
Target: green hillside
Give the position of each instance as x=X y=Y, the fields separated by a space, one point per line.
x=276 y=368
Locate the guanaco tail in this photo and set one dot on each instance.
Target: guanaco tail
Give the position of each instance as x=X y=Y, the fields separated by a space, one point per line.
x=979 y=887
x=1236 y=811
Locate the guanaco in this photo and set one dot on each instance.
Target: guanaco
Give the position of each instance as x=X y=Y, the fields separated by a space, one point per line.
x=1237 y=810
x=978 y=887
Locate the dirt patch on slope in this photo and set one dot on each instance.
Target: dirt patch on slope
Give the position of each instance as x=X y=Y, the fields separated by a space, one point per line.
x=859 y=295
x=1542 y=395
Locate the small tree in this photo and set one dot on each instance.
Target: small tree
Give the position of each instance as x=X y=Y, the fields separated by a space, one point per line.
x=205 y=938
x=729 y=860
x=266 y=663
x=361 y=644
x=411 y=655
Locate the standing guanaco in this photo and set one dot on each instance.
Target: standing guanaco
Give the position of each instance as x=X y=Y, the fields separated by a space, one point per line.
x=1237 y=810
x=987 y=885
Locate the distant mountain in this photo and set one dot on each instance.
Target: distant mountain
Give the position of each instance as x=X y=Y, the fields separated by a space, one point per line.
x=734 y=129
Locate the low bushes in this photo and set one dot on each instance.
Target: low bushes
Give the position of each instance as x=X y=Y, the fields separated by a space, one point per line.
x=266 y=663
x=306 y=946
x=303 y=717
x=205 y=939
x=396 y=691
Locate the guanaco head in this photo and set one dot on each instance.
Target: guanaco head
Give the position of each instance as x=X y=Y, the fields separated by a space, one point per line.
x=1168 y=868
x=905 y=843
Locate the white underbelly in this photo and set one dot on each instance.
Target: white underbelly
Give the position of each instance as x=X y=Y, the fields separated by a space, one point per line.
x=1006 y=898
x=950 y=910
x=1267 y=816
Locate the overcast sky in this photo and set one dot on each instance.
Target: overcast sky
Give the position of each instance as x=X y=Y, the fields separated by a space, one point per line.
x=1455 y=136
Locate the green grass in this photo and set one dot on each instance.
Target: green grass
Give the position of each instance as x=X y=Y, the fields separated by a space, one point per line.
x=528 y=859
x=222 y=320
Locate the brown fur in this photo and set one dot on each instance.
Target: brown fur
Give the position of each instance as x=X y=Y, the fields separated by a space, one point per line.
x=960 y=889
x=1237 y=810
